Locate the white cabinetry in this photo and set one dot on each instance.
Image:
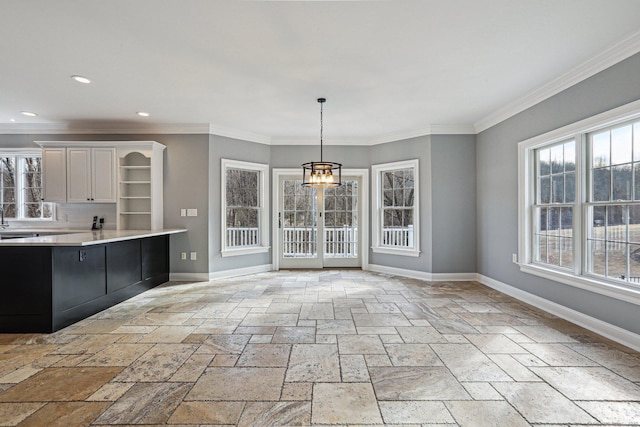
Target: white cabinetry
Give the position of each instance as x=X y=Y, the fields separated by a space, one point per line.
x=140 y=187
x=54 y=174
x=91 y=175
x=127 y=173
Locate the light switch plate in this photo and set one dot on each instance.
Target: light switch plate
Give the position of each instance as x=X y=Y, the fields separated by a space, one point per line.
x=192 y=212
x=193 y=256
x=183 y=256
x=183 y=212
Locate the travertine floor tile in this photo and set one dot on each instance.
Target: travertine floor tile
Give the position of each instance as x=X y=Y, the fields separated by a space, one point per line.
x=12 y=413
x=314 y=362
x=539 y=403
x=238 y=384
x=207 y=413
x=276 y=414
x=60 y=384
x=409 y=383
x=65 y=414
x=265 y=355
x=415 y=412
x=353 y=403
x=586 y=383
x=157 y=364
x=412 y=355
x=468 y=363
x=485 y=414
x=614 y=412
x=145 y=403
x=360 y=344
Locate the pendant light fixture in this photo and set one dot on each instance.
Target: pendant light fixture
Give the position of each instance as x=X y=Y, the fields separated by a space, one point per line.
x=321 y=174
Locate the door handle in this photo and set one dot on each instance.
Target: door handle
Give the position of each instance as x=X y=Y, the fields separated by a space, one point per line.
x=279 y=219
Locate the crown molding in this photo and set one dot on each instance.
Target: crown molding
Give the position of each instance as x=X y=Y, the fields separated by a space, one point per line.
x=103 y=128
x=617 y=53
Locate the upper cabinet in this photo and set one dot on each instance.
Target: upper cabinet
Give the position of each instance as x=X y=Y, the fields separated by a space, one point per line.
x=54 y=174
x=91 y=175
x=128 y=173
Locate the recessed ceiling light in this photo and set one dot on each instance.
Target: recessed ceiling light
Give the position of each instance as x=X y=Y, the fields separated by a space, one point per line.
x=12 y=120
x=81 y=79
x=28 y=113
x=142 y=113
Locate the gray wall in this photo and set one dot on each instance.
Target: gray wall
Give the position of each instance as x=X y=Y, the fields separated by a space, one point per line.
x=414 y=148
x=453 y=189
x=497 y=187
x=233 y=149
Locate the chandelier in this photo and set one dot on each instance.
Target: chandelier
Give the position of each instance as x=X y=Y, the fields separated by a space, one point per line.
x=321 y=174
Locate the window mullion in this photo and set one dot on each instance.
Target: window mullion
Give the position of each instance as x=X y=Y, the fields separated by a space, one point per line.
x=20 y=186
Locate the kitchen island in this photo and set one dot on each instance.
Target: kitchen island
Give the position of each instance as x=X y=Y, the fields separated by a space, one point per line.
x=51 y=281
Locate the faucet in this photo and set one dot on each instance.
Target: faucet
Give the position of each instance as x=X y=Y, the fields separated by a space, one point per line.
x=3 y=224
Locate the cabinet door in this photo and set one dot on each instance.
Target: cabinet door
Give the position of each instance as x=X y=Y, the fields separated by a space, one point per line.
x=79 y=175
x=104 y=175
x=54 y=174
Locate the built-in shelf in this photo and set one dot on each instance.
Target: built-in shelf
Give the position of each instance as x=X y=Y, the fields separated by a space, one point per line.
x=140 y=187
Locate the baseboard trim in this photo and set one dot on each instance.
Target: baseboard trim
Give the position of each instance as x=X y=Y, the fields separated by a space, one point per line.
x=422 y=275
x=598 y=326
x=189 y=277
x=226 y=274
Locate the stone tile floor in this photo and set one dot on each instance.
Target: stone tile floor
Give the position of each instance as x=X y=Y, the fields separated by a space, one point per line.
x=324 y=347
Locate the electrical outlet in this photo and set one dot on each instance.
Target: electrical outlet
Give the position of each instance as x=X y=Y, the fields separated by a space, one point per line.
x=192 y=212
x=183 y=256
x=514 y=258
x=183 y=212
x=193 y=256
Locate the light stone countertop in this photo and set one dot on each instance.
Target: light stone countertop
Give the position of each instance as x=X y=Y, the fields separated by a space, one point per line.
x=84 y=238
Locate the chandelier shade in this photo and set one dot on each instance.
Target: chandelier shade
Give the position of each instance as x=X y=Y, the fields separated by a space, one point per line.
x=321 y=174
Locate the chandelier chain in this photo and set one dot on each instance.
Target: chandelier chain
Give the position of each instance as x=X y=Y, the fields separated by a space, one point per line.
x=321 y=125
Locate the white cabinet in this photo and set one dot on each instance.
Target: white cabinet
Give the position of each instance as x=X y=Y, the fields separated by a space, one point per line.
x=127 y=173
x=140 y=192
x=54 y=174
x=91 y=175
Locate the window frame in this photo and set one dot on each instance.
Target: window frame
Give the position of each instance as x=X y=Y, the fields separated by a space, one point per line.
x=20 y=154
x=579 y=275
x=263 y=208
x=377 y=218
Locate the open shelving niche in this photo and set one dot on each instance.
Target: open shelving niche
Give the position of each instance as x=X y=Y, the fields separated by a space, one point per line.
x=140 y=187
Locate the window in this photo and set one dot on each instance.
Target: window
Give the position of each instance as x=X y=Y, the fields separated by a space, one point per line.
x=396 y=216
x=244 y=211
x=21 y=187
x=580 y=204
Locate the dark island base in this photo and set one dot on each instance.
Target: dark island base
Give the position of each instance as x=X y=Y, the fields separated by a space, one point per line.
x=45 y=289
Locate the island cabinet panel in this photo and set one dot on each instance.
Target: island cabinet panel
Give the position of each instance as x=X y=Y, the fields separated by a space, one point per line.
x=155 y=260
x=124 y=265
x=79 y=283
x=26 y=289
x=46 y=288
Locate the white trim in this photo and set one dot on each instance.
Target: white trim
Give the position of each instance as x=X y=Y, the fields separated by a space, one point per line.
x=189 y=277
x=613 y=55
x=423 y=275
x=245 y=251
x=598 y=326
x=377 y=205
x=263 y=203
x=226 y=274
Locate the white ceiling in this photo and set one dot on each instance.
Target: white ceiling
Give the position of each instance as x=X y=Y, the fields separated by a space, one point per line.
x=254 y=69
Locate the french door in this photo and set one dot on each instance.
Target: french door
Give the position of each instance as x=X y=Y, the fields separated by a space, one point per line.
x=319 y=227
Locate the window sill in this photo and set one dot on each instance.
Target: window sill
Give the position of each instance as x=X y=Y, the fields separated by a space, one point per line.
x=245 y=251
x=395 y=251
x=612 y=290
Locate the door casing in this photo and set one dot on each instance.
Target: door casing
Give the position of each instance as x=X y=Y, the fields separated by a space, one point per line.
x=363 y=212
